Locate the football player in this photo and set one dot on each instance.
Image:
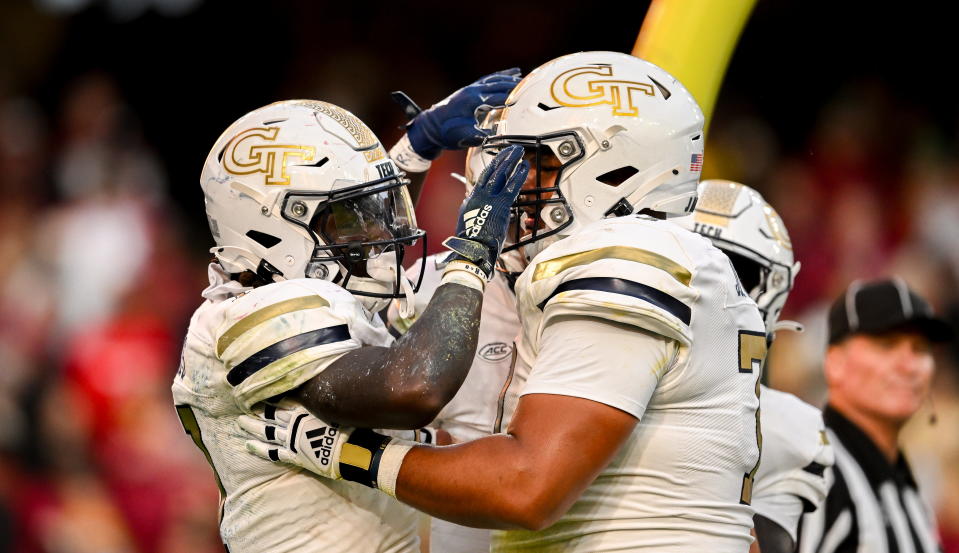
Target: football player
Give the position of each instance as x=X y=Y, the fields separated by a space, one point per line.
x=795 y=452
x=635 y=423
x=311 y=221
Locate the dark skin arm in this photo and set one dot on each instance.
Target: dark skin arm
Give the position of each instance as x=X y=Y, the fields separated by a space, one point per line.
x=771 y=537
x=406 y=385
x=555 y=447
x=416 y=185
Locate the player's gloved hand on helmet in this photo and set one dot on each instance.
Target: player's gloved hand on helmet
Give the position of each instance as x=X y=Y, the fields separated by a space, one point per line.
x=452 y=124
x=485 y=214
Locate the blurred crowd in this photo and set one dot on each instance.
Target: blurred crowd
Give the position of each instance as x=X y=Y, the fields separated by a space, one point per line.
x=98 y=280
x=96 y=287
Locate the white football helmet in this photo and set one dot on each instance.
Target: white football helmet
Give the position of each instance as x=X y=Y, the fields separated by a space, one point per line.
x=740 y=222
x=303 y=188
x=627 y=136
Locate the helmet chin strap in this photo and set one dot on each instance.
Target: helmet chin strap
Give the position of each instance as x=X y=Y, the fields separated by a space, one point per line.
x=408 y=305
x=513 y=261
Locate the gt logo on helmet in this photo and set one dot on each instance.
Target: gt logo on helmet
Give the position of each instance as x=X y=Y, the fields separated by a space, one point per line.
x=583 y=87
x=252 y=151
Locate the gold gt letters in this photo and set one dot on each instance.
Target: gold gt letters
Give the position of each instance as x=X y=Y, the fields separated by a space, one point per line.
x=586 y=86
x=253 y=151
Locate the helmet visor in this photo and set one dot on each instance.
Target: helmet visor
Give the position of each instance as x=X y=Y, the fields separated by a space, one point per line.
x=371 y=220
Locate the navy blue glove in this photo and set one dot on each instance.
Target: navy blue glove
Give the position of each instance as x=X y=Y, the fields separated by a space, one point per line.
x=484 y=216
x=452 y=123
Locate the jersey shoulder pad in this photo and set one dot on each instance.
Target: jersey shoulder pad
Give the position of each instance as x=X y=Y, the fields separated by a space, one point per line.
x=627 y=269
x=274 y=338
x=431 y=270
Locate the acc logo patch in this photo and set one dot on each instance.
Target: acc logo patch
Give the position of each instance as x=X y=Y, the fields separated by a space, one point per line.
x=593 y=86
x=495 y=351
x=254 y=151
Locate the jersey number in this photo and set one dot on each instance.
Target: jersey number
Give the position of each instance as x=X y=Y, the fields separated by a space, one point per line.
x=752 y=355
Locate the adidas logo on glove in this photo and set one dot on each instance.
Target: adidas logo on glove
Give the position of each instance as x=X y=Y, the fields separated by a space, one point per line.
x=475 y=220
x=322 y=440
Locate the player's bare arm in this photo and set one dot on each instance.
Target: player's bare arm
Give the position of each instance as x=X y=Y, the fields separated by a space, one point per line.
x=439 y=349
x=527 y=478
x=564 y=431
x=409 y=383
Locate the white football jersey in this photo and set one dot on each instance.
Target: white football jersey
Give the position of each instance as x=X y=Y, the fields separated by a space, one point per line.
x=477 y=408
x=243 y=349
x=796 y=453
x=683 y=480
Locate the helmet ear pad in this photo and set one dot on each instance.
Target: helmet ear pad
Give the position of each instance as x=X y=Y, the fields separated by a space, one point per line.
x=256 y=235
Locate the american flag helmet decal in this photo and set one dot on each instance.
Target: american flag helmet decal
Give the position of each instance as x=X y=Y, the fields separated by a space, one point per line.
x=696 y=162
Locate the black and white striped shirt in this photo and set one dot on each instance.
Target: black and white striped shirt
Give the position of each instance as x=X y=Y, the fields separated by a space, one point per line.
x=872 y=506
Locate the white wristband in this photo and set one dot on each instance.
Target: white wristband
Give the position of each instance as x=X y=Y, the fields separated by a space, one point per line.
x=463 y=273
x=406 y=158
x=390 y=463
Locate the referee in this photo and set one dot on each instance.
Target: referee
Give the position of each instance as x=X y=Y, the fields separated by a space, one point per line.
x=878 y=369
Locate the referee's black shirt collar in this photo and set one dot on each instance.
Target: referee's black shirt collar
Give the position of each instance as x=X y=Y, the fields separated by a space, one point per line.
x=866 y=453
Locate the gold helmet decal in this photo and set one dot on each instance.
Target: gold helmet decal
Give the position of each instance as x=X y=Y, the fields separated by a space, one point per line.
x=593 y=86
x=717 y=201
x=365 y=139
x=255 y=151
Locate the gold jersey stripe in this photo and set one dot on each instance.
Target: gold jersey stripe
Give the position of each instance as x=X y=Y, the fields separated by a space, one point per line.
x=553 y=267
x=265 y=314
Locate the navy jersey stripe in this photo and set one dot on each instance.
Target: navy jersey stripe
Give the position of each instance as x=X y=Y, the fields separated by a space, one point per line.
x=627 y=287
x=281 y=349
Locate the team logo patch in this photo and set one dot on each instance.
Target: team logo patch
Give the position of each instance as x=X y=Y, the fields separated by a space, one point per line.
x=495 y=351
x=594 y=85
x=256 y=151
